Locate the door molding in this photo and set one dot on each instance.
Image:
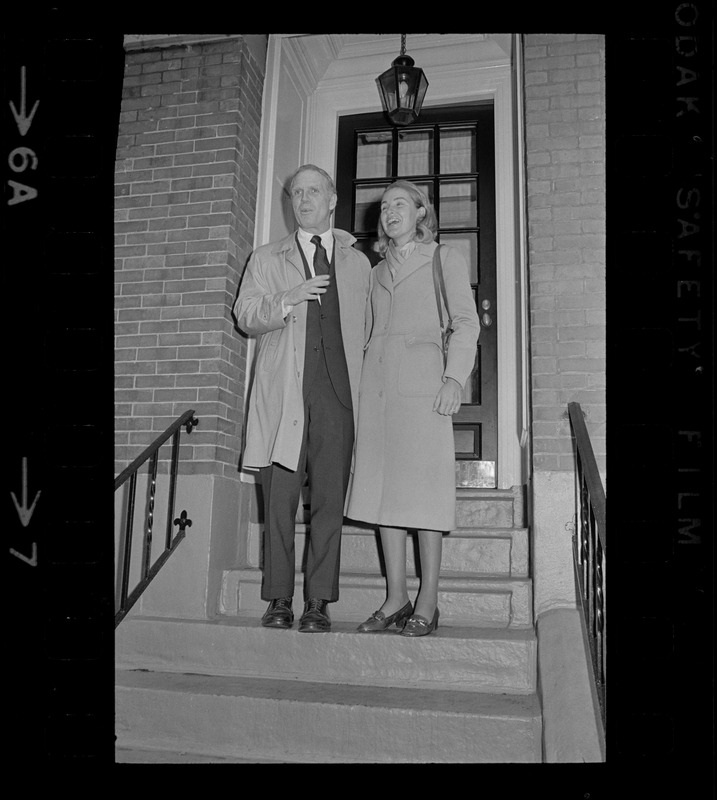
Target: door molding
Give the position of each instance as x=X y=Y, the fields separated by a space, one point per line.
x=465 y=69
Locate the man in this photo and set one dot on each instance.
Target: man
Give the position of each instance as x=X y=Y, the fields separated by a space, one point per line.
x=306 y=298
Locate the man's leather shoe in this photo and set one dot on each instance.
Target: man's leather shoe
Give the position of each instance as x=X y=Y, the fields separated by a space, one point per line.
x=279 y=614
x=315 y=618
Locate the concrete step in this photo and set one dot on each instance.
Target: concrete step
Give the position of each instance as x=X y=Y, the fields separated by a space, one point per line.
x=312 y=722
x=456 y=657
x=144 y=755
x=490 y=508
x=475 y=508
x=480 y=602
x=476 y=551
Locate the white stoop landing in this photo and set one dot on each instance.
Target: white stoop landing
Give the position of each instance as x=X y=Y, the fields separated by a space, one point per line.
x=466 y=658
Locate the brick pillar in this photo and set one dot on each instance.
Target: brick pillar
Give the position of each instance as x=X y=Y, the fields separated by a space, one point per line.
x=565 y=152
x=186 y=190
x=186 y=178
x=565 y=148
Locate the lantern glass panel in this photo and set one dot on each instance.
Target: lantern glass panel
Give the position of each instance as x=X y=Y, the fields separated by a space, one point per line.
x=407 y=82
x=387 y=84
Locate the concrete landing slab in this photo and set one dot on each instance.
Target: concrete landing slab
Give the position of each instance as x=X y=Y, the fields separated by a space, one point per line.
x=454 y=656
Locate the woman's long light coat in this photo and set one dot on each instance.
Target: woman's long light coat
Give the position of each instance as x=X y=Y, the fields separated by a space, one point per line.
x=275 y=418
x=404 y=472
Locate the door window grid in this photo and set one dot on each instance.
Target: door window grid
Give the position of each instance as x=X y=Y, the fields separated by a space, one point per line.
x=442 y=159
x=450 y=154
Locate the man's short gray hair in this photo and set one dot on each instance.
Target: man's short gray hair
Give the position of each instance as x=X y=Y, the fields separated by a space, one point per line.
x=313 y=168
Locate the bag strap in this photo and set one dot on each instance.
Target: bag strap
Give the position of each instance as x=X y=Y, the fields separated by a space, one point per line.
x=439 y=285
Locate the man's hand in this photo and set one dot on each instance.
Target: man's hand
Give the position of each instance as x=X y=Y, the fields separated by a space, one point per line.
x=309 y=290
x=448 y=399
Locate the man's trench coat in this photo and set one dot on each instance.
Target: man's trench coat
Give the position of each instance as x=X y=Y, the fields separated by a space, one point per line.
x=275 y=418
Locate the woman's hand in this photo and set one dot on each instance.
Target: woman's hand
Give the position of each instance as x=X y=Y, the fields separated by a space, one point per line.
x=448 y=399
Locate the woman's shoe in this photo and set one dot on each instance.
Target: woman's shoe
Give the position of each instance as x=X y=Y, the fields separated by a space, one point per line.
x=417 y=625
x=378 y=621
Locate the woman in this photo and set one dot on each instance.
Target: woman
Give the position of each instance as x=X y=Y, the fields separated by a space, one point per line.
x=404 y=474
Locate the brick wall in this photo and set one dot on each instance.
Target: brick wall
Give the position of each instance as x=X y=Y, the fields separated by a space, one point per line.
x=186 y=176
x=565 y=153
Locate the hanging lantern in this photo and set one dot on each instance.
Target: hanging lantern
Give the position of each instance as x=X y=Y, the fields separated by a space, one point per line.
x=402 y=88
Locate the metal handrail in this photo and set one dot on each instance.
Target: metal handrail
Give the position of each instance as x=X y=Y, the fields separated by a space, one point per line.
x=149 y=571
x=589 y=549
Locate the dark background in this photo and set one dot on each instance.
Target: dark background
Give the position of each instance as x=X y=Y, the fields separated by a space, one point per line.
x=59 y=341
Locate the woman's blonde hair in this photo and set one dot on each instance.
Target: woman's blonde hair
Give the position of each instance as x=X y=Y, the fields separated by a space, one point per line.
x=425 y=228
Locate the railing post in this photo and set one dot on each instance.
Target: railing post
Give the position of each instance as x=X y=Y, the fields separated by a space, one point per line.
x=125 y=554
x=148 y=570
x=147 y=551
x=172 y=487
x=589 y=553
x=174 y=469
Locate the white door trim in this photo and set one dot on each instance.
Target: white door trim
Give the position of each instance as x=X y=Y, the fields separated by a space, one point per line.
x=348 y=87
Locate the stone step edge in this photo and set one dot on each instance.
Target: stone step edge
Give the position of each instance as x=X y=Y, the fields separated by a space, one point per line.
x=342 y=625
x=449 y=582
x=456 y=533
x=481 y=493
x=157 y=755
x=484 y=493
x=472 y=658
x=385 y=697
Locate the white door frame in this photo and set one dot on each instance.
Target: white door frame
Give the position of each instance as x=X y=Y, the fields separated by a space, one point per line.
x=324 y=79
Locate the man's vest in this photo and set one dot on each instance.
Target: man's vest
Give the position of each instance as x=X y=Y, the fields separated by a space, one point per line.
x=324 y=343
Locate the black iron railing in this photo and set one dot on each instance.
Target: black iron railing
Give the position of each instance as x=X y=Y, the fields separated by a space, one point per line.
x=589 y=552
x=148 y=571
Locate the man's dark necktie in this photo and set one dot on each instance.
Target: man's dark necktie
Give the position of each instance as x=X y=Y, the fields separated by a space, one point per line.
x=321 y=262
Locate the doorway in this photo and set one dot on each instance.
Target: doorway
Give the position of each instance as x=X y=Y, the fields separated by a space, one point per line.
x=450 y=153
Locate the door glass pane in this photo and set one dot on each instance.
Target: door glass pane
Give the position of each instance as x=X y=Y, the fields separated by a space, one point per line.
x=464 y=440
x=373 y=154
x=415 y=153
x=458 y=204
x=427 y=188
x=366 y=247
x=458 y=150
x=367 y=208
x=472 y=389
x=467 y=244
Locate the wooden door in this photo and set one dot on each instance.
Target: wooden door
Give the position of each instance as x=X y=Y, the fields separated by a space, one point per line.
x=449 y=152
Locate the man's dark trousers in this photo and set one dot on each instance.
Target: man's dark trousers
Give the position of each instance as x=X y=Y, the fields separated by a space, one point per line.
x=325 y=457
